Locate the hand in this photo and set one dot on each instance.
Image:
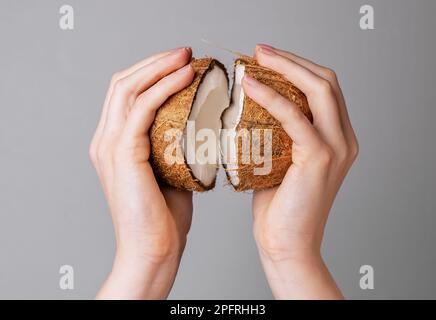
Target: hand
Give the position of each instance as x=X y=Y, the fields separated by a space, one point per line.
x=151 y=223
x=289 y=220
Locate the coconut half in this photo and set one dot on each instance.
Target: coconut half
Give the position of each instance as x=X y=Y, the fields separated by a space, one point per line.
x=243 y=118
x=200 y=105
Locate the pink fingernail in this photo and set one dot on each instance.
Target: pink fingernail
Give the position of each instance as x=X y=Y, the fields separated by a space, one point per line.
x=263 y=45
x=267 y=50
x=181 y=48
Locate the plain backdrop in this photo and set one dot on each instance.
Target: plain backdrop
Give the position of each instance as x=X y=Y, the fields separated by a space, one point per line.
x=52 y=86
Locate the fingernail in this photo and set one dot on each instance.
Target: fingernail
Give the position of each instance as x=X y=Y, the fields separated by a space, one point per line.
x=250 y=81
x=184 y=69
x=267 y=50
x=263 y=45
x=188 y=49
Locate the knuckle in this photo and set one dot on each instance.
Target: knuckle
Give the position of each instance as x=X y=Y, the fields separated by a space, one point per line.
x=324 y=87
x=122 y=86
x=115 y=77
x=346 y=154
x=92 y=153
x=152 y=102
x=159 y=67
x=103 y=152
x=342 y=154
x=330 y=74
x=324 y=156
x=354 y=150
x=167 y=81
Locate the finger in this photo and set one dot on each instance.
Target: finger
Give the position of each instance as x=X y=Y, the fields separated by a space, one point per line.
x=127 y=89
x=117 y=76
x=180 y=204
x=145 y=62
x=312 y=66
x=320 y=96
x=328 y=75
x=292 y=119
x=142 y=114
x=262 y=199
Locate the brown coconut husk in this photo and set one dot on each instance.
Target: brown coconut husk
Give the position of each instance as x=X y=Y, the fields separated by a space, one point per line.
x=256 y=117
x=173 y=114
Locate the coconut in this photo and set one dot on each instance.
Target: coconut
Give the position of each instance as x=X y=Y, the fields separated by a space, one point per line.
x=202 y=102
x=245 y=116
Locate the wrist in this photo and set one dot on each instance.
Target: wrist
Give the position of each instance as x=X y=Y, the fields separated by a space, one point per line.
x=134 y=277
x=302 y=276
x=148 y=255
x=297 y=257
x=147 y=248
x=141 y=272
x=279 y=246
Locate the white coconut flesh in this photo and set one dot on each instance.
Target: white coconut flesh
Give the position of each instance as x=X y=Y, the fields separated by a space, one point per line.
x=230 y=121
x=210 y=101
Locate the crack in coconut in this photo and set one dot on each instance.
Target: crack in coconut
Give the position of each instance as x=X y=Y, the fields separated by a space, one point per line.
x=201 y=103
x=206 y=103
x=245 y=117
x=230 y=120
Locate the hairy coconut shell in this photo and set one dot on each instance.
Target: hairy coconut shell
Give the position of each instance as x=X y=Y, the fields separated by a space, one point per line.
x=256 y=117
x=174 y=114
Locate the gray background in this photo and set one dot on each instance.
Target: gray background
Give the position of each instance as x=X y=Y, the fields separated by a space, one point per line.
x=52 y=85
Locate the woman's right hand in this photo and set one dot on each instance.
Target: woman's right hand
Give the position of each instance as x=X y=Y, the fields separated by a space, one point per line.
x=151 y=223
